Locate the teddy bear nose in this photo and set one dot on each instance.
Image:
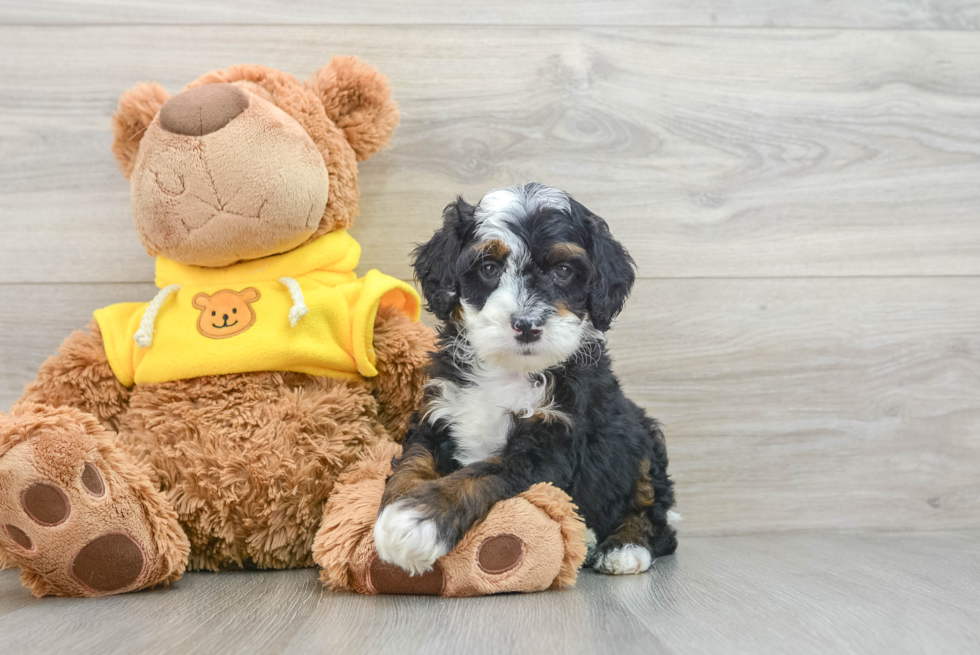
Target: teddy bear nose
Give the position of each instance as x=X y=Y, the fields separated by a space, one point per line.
x=203 y=110
x=225 y=316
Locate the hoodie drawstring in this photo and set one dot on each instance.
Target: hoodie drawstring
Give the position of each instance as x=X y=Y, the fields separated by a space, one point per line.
x=144 y=335
x=299 y=308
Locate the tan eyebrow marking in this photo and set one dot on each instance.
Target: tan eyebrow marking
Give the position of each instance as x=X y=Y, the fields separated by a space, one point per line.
x=562 y=308
x=495 y=248
x=565 y=250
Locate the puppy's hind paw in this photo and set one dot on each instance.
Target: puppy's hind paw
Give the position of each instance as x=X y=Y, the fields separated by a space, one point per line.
x=625 y=560
x=405 y=537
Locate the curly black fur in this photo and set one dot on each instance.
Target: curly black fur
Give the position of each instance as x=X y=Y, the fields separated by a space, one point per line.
x=590 y=440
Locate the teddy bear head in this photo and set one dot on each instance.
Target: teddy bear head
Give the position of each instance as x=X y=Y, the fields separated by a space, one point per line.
x=249 y=162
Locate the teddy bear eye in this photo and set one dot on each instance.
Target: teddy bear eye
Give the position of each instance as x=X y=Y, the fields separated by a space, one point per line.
x=214 y=313
x=234 y=310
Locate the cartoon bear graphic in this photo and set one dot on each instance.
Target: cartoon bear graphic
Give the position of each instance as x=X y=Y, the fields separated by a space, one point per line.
x=226 y=313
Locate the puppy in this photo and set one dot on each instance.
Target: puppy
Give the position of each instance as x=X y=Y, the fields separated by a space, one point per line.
x=526 y=283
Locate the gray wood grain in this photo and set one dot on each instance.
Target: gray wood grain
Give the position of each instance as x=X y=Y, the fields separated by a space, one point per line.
x=905 y=14
x=40 y=316
x=713 y=153
x=803 y=206
x=808 y=593
x=793 y=404
x=788 y=404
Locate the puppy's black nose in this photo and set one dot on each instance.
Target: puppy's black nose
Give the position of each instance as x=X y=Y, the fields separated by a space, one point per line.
x=225 y=316
x=526 y=331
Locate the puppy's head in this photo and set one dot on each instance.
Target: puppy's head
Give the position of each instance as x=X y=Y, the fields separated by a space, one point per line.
x=530 y=274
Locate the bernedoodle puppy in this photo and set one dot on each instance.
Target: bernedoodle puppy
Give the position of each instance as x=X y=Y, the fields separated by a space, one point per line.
x=526 y=283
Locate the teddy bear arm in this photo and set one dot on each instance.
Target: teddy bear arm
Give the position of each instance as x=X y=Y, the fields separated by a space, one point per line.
x=402 y=348
x=79 y=376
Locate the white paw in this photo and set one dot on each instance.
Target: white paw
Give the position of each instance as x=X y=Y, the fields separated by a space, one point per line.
x=590 y=540
x=624 y=560
x=404 y=538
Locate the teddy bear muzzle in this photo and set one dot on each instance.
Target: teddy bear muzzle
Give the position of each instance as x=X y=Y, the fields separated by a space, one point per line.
x=224 y=175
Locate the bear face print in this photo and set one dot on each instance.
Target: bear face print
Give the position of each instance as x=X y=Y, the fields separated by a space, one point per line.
x=226 y=313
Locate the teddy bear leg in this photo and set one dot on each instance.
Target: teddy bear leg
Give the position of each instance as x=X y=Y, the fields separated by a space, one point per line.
x=77 y=515
x=532 y=542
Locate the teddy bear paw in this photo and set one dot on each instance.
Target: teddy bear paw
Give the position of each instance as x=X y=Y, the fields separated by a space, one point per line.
x=494 y=556
x=518 y=547
x=531 y=542
x=72 y=519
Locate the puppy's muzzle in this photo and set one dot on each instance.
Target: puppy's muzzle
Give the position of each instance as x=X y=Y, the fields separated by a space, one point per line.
x=525 y=330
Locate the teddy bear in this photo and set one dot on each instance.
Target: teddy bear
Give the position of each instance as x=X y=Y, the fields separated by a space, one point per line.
x=246 y=416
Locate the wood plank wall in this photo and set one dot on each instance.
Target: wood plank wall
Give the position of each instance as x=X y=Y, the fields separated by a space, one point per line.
x=799 y=183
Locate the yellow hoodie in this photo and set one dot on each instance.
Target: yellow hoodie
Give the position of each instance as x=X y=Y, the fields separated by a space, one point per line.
x=304 y=311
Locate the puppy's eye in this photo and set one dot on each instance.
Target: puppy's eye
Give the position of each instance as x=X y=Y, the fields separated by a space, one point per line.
x=214 y=313
x=234 y=311
x=490 y=270
x=562 y=272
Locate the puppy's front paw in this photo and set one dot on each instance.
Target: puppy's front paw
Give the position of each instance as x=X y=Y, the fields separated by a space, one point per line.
x=625 y=560
x=405 y=537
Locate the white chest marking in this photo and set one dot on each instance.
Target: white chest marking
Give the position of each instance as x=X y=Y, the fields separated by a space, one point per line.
x=480 y=415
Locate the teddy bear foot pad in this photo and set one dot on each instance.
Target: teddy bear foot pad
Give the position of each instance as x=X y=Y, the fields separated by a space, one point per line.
x=384 y=578
x=495 y=556
x=72 y=522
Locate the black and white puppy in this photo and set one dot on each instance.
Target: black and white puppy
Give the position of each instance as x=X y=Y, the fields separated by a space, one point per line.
x=521 y=391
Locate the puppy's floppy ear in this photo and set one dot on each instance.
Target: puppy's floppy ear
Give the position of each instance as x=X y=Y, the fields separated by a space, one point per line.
x=435 y=261
x=137 y=108
x=613 y=276
x=358 y=99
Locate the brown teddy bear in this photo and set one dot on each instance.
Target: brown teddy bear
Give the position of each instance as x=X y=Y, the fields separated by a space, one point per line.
x=207 y=428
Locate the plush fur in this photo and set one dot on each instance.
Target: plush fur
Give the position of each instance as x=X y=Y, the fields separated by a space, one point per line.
x=107 y=489
x=346 y=110
x=223 y=471
x=137 y=109
x=39 y=439
x=522 y=390
x=304 y=104
x=245 y=461
x=358 y=102
x=541 y=517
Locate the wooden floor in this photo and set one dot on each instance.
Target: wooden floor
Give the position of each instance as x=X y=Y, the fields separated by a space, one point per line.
x=829 y=593
x=798 y=182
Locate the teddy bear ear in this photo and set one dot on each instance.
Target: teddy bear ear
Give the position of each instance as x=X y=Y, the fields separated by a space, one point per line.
x=200 y=301
x=137 y=108
x=358 y=99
